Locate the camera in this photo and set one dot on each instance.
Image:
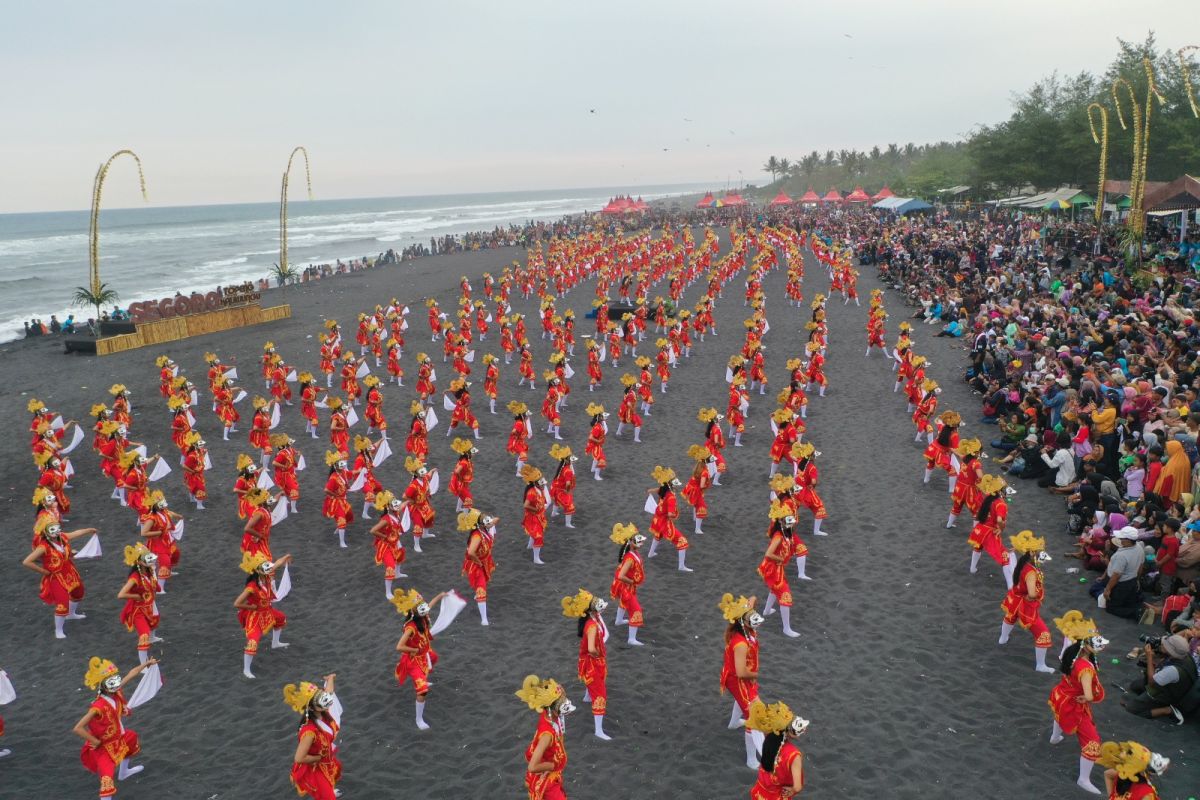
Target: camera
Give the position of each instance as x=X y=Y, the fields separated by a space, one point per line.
x=1153 y=641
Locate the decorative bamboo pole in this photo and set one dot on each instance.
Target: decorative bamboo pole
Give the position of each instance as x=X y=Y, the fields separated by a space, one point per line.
x=1102 y=140
x=94 y=232
x=283 y=201
x=1187 y=78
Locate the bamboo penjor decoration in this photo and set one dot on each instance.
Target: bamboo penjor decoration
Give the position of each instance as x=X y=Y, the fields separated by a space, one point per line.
x=1187 y=78
x=1141 y=142
x=283 y=201
x=94 y=232
x=1102 y=140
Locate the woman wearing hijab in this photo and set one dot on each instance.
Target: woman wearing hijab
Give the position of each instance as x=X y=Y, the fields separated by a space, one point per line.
x=1175 y=477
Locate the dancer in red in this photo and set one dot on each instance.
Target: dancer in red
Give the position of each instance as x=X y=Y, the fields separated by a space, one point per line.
x=463 y=474
x=491 y=380
x=308 y=404
x=535 y=503
x=562 y=486
x=593 y=653
x=389 y=551
x=630 y=574
x=53 y=559
x=780 y=763
x=260 y=429
x=478 y=563
x=140 y=612
x=966 y=486
x=773 y=567
x=195 y=464
x=316 y=769
x=806 y=477
x=1128 y=769
x=701 y=478
x=108 y=744
x=376 y=420
x=256 y=612
x=546 y=755
x=666 y=511
x=987 y=534
x=714 y=439
x=461 y=413
x=417 y=656
x=256 y=534
x=416 y=497
x=339 y=425
x=285 y=464
x=1079 y=688
x=597 y=435
x=739 y=669
x=158 y=526
x=336 y=507
x=938 y=455
x=518 y=437
x=1023 y=602
x=417 y=443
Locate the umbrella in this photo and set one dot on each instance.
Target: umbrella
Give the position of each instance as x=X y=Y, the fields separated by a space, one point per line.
x=1057 y=205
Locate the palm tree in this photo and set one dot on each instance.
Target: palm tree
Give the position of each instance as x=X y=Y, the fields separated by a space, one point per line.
x=809 y=164
x=101 y=297
x=830 y=158
x=772 y=166
x=785 y=167
x=284 y=275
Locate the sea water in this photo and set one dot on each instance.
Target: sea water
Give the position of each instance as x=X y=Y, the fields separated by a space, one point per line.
x=153 y=252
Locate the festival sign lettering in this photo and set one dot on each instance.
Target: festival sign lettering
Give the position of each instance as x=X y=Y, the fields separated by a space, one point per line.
x=195 y=303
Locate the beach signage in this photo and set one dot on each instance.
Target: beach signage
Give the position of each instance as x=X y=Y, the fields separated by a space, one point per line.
x=196 y=303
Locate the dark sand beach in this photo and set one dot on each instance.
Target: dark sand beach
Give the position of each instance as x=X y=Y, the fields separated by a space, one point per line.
x=897 y=664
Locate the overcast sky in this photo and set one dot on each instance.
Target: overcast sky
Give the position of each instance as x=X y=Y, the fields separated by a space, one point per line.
x=394 y=97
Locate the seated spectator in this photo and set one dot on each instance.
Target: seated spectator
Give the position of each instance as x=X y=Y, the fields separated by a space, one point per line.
x=1121 y=592
x=1166 y=689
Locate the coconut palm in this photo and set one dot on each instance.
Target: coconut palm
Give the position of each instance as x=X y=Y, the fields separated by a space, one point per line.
x=101 y=297
x=772 y=166
x=284 y=275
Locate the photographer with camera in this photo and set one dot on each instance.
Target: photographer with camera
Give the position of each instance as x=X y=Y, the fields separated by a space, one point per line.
x=1170 y=686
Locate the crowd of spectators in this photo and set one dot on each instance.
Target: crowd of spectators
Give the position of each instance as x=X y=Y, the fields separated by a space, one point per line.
x=1086 y=358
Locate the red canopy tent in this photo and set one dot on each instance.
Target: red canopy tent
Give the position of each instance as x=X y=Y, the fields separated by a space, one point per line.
x=641 y=205
x=809 y=197
x=706 y=201
x=858 y=196
x=734 y=199
x=883 y=194
x=617 y=205
x=781 y=199
x=833 y=196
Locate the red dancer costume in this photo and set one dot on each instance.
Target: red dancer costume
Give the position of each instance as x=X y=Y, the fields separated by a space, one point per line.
x=781 y=765
x=534 y=521
x=478 y=563
x=546 y=755
x=417 y=656
x=256 y=613
x=562 y=486
x=416 y=496
x=987 y=534
x=463 y=474
x=666 y=511
x=108 y=744
x=1079 y=688
x=389 y=551
x=316 y=769
x=140 y=612
x=629 y=575
x=1023 y=602
x=593 y=653
x=739 y=668
x=53 y=559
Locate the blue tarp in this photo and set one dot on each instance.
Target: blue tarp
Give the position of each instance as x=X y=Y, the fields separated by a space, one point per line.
x=901 y=205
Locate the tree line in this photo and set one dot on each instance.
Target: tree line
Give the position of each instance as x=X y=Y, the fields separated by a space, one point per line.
x=1045 y=143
